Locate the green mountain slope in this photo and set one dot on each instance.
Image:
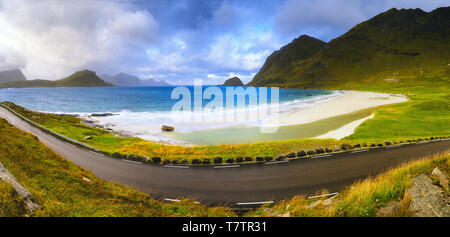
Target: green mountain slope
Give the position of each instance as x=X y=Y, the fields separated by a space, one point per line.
x=286 y=59
x=85 y=78
x=397 y=45
x=12 y=75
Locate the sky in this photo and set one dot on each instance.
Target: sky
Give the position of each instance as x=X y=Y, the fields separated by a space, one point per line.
x=173 y=40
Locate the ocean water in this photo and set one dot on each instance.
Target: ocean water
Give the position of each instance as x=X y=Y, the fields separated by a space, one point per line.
x=141 y=111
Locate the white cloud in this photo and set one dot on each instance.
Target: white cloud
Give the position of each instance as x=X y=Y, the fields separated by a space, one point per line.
x=50 y=39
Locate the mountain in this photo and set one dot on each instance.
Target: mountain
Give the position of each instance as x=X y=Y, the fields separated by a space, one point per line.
x=12 y=75
x=393 y=45
x=122 y=79
x=234 y=81
x=85 y=78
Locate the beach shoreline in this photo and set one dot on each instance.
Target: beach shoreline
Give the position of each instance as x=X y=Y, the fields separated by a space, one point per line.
x=345 y=103
x=342 y=103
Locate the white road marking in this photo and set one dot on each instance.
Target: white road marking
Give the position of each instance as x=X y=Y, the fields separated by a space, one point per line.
x=172 y=200
x=360 y=151
x=315 y=157
x=177 y=166
x=136 y=162
x=393 y=146
x=276 y=162
x=253 y=203
x=226 y=166
x=423 y=142
x=324 y=195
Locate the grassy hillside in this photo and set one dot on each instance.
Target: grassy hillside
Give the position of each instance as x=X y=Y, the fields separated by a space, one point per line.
x=365 y=197
x=65 y=189
x=397 y=45
x=78 y=79
x=11 y=204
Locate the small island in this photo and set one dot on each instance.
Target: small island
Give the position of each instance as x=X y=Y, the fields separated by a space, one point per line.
x=234 y=81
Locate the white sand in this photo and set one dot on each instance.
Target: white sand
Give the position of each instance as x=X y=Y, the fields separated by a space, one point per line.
x=348 y=102
x=345 y=130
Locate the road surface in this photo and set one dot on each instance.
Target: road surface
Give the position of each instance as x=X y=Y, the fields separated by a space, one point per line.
x=247 y=184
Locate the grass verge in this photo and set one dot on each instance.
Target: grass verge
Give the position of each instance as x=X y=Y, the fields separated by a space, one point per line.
x=65 y=189
x=365 y=197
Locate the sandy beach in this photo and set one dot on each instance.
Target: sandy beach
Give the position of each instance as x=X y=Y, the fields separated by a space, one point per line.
x=347 y=102
x=334 y=117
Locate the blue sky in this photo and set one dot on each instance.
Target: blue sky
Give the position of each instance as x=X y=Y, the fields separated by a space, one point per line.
x=173 y=40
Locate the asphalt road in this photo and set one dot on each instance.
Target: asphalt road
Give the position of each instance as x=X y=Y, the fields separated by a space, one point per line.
x=245 y=184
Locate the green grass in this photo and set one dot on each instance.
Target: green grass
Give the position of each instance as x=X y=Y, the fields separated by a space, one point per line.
x=11 y=204
x=365 y=197
x=65 y=189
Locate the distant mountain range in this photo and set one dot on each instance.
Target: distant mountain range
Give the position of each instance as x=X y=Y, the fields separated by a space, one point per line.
x=122 y=79
x=393 y=45
x=85 y=78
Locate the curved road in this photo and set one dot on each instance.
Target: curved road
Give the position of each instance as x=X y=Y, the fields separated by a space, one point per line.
x=244 y=184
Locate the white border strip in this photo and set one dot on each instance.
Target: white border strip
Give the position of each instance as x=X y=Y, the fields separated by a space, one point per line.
x=315 y=157
x=132 y=161
x=253 y=203
x=276 y=162
x=226 y=166
x=177 y=166
x=359 y=151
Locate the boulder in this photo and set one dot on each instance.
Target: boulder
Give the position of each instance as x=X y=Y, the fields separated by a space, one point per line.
x=364 y=144
x=328 y=150
x=373 y=145
x=184 y=162
x=239 y=159
x=346 y=146
x=379 y=144
x=301 y=153
x=259 y=158
x=320 y=151
x=280 y=158
x=156 y=159
x=357 y=145
x=166 y=128
x=310 y=152
x=217 y=160
x=206 y=161
x=102 y=115
x=196 y=162
x=290 y=155
x=116 y=155
x=248 y=158
x=175 y=162
x=230 y=161
x=268 y=158
x=387 y=143
x=167 y=162
x=88 y=138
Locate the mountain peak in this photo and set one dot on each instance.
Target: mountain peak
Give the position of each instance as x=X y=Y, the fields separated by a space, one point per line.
x=234 y=81
x=406 y=41
x=12 y=75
